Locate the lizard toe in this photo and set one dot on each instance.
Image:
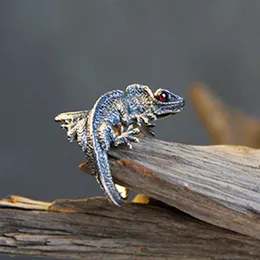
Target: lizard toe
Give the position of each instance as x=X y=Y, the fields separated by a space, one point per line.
x=133 y=139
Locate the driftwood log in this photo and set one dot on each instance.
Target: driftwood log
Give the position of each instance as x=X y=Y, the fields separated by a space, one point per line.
x=94 y=229
x=201 y=202
x=216 y=184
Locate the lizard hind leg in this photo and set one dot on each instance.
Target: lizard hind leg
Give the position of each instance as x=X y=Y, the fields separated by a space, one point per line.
x=73 y=122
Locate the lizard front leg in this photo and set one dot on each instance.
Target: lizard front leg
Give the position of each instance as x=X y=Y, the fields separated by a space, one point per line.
x=146 y=119
x=127 y=136
x=136 y=124
x=107 y=135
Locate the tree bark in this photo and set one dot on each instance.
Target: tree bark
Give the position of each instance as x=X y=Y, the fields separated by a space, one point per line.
x=95 y=229
x=215 y=184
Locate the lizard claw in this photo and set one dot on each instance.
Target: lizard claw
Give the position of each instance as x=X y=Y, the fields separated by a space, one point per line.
x=151 y=125
x=131 y=139
x=129 y=145
x=151 y=132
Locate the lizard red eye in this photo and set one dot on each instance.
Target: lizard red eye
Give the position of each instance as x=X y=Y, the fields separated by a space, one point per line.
x=163 y=97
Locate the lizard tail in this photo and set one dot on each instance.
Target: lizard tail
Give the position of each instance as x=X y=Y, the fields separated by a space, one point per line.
x=105 y=180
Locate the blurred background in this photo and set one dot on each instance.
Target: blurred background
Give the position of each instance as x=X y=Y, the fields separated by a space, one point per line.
x=58 y=56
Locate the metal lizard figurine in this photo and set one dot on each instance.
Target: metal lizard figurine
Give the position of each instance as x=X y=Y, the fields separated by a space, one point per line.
x=94 y=130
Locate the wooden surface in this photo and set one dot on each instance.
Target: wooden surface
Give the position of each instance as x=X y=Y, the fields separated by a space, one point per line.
x=216 y=184
x=95 y=229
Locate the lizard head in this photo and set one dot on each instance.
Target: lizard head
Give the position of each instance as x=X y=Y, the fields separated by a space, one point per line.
x=166 y=103
x=162 y=102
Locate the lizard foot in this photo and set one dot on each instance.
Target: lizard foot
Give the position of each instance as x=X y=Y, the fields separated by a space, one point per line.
x=127 y=136
x=145 y=119
x=149 y=129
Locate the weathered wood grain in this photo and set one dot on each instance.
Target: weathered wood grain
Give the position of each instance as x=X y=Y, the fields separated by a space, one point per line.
x=95 y=229
x=216 y=184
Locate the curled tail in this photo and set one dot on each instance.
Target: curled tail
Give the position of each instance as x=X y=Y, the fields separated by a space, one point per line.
x=75 y=123
x=105 y=180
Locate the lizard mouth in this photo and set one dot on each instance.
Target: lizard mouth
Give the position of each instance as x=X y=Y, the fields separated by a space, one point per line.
x=170 y=109
x=170 y=113
x=165 y=115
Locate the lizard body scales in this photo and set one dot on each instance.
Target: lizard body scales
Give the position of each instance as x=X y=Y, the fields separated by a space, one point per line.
x=128 y=111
